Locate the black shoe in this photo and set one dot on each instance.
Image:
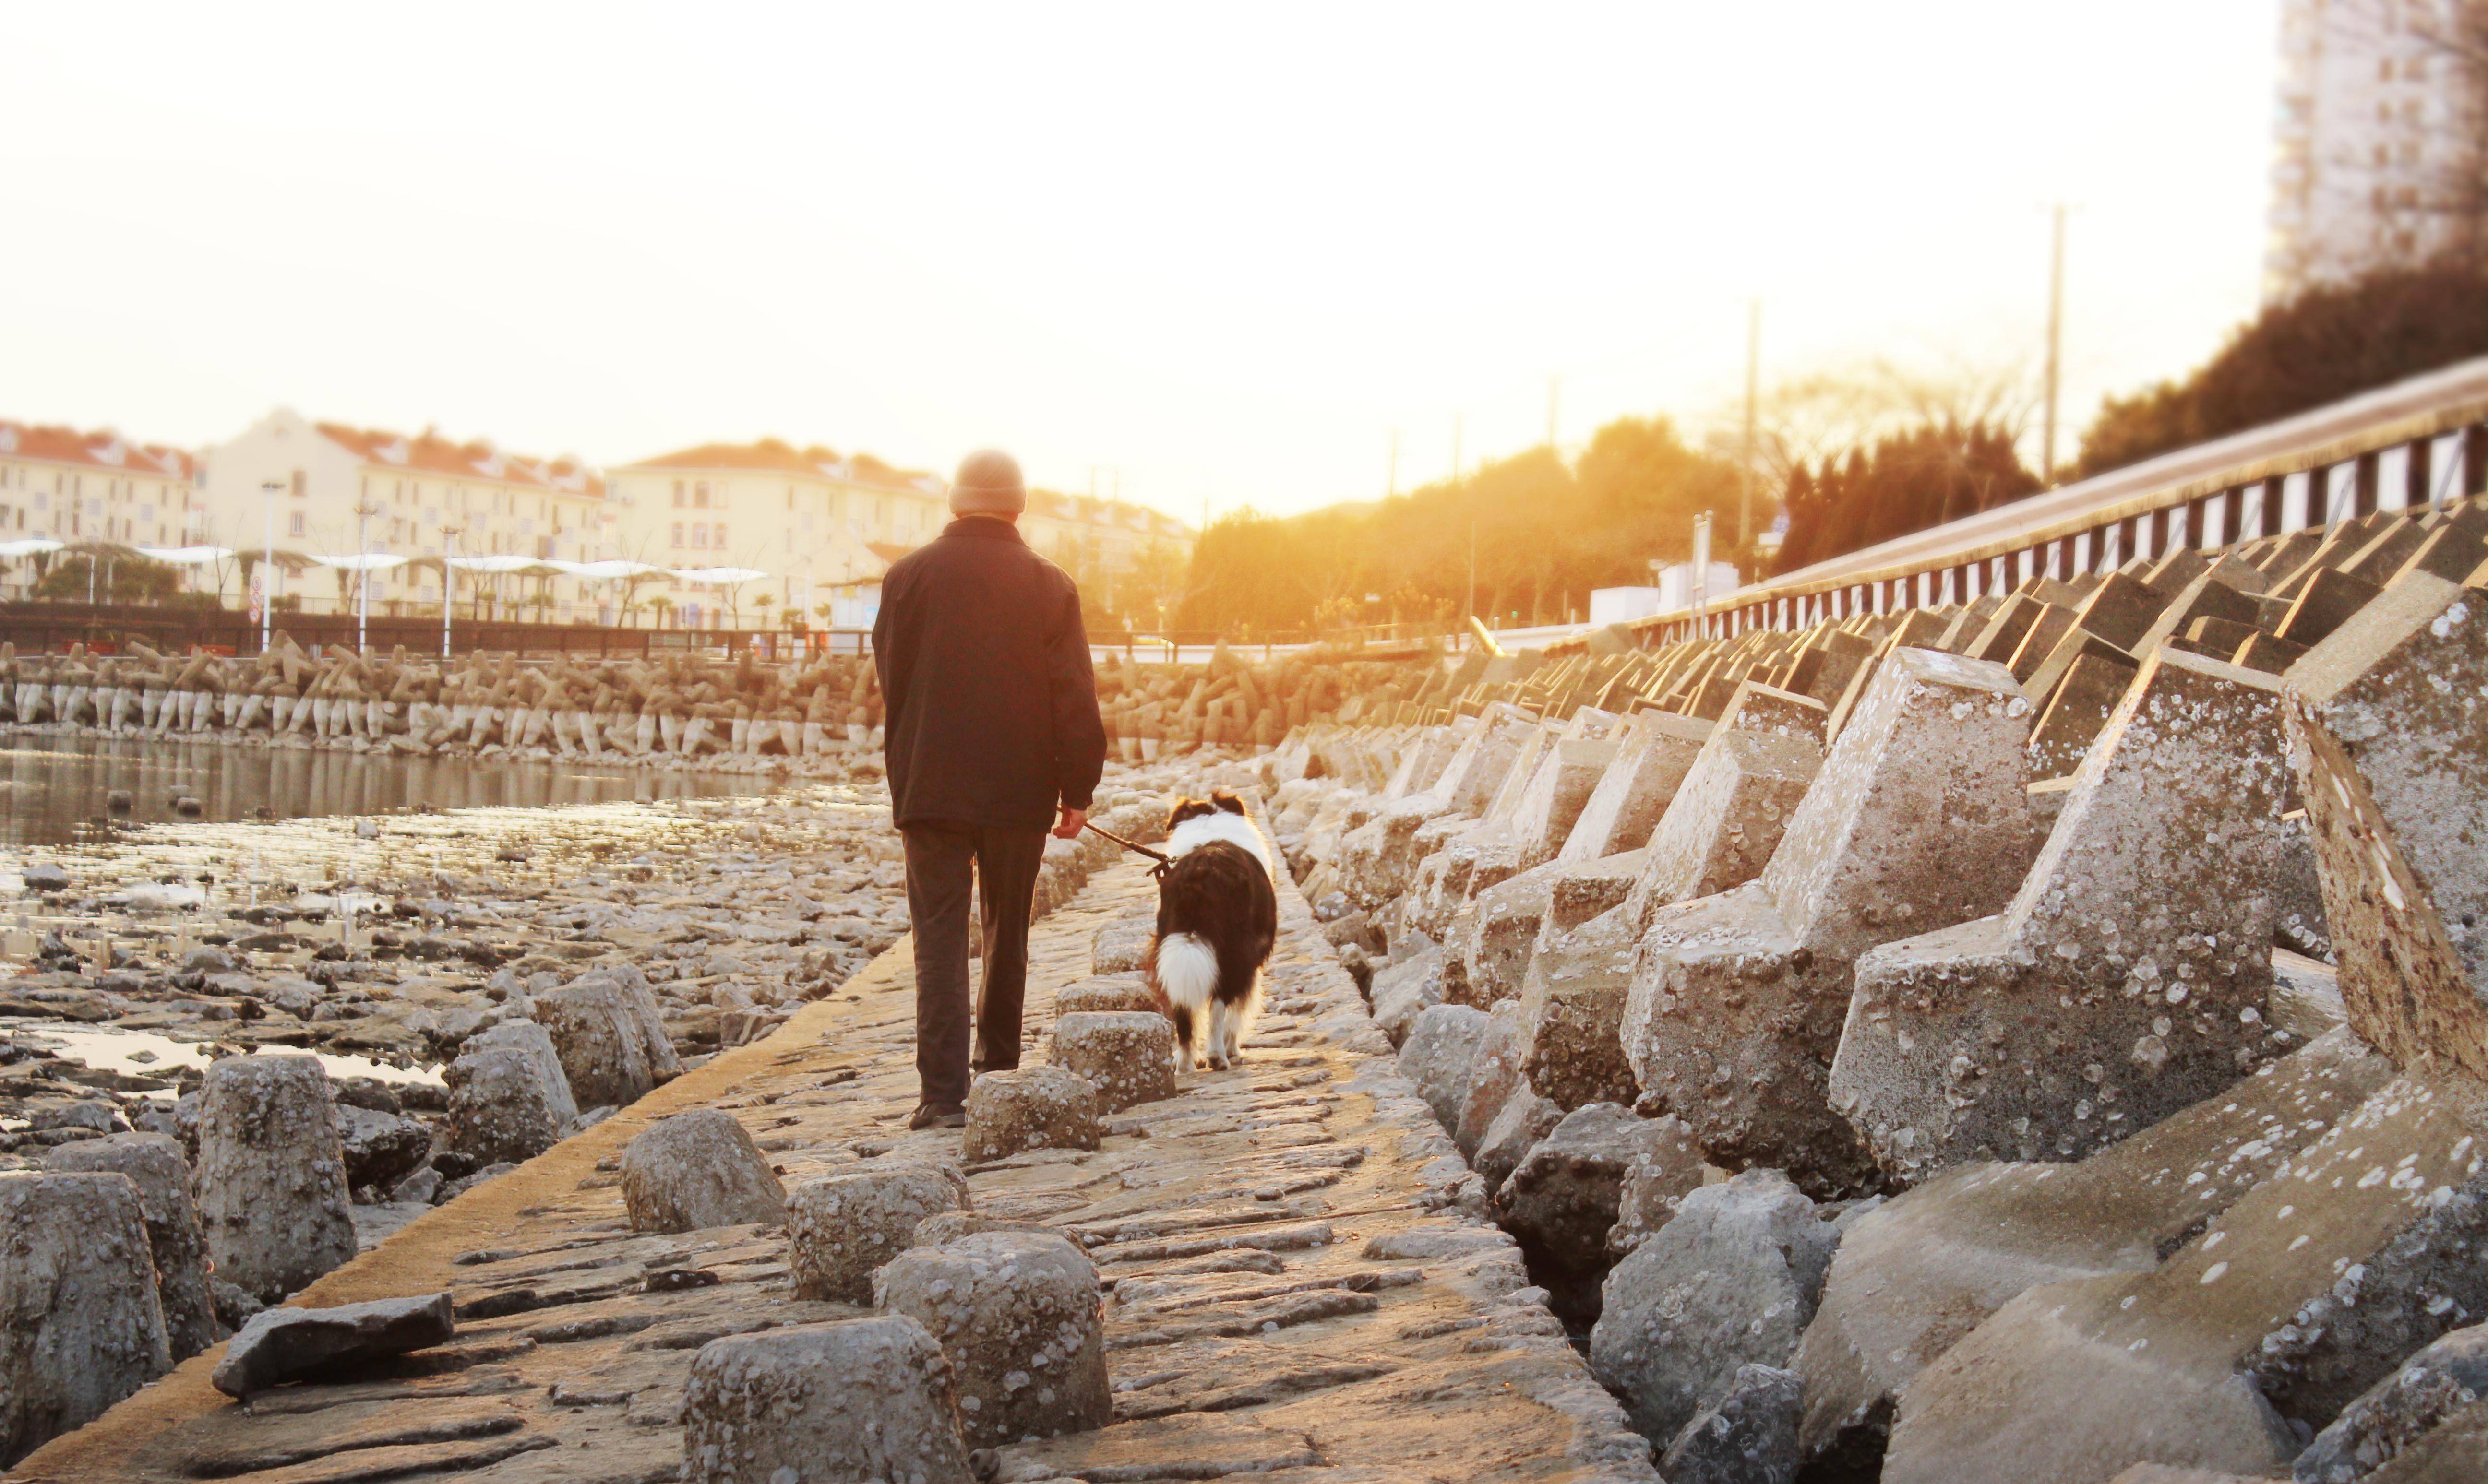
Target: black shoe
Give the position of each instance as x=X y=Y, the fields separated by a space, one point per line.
x=938 y=1115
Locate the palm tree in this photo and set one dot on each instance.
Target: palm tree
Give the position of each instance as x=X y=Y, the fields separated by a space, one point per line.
x=663 y=605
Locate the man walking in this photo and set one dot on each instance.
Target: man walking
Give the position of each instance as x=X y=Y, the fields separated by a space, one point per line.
x=992 y=734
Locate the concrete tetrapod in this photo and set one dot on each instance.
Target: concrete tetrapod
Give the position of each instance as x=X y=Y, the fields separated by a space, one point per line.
x=1919 y=819
x=2390 y=744
x=2317 y=1283
x=611 y=1036
x=1719 y=831
x=80 y=1326
x=271 y=1177
x=1926 y=1268
x=1496 y=933
x=2129 y=977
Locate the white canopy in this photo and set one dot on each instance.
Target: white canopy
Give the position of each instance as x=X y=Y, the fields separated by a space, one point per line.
x=368 y=561
x=611 y=568
x=185 y=556
x=506 y=563
x=31 y=546
x=718 y=576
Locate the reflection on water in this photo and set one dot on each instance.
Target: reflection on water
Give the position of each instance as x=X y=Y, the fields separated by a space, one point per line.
x=143 y=1052
x=49 y=786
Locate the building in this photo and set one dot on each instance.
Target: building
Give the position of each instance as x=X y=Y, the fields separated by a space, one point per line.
x=2377 y=137
x=88 y=488
x=821 y=527
x=315 y=490
x=824 y=528
x=1126 y=557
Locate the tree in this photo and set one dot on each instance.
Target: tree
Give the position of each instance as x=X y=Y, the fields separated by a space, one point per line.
x=2328 y=343
x=1921 y=476
x=663 y=605
x=114 y=579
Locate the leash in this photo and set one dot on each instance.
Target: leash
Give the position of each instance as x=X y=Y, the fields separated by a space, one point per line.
x=1157 y=872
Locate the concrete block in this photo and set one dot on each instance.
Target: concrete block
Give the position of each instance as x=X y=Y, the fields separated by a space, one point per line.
x=1017 y=1316
x=292 y=1344
x=1730 y=1282
x=1439 y=1056
x=699 y=1169
x=611 y=1036
x=1127 y=1055
x=80 y=1326
x=1034 y=1107
x=1745 y=1435
x=271 y=1176
x=2390 y=746
x=2309 y=1290
x=2127 y=977
x=154 y=1166
x=1563 y=1198
x=823 y=1404
x=1105 y=994
x=1919 y=819
x=509 y=1098
x=840 y=1228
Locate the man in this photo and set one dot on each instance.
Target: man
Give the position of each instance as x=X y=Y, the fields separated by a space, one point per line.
x=992 y=734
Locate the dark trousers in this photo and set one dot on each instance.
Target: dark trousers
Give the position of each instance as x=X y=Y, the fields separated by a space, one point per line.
x=942 y=861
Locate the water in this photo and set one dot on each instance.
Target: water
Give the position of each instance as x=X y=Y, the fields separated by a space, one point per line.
x=52 y=789
x=143 y=1053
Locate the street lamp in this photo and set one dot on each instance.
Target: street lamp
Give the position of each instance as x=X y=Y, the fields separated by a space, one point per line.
x=268 y=488
x=365 y=510
x=448 y=589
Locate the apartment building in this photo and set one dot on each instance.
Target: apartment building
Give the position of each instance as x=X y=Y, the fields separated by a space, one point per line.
x=823 y=528
x=98 y=488
x=2377 y=137
x=326 y=488
x=1108 y=546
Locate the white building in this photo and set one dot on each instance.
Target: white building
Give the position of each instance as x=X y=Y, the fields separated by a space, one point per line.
x=823 y=529
x=341 y=491
x=2376 y=159
x=89 y=489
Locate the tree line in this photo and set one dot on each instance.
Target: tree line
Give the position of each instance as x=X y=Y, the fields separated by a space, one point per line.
x=1530 y=536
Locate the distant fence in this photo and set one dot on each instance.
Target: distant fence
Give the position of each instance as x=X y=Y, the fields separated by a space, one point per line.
x=107 y=629
x=52 y=628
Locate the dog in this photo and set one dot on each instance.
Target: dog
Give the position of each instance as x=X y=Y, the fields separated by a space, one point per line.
x=1218 y=919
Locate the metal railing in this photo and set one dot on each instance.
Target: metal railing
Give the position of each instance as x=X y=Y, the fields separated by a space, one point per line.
x=2413 y=445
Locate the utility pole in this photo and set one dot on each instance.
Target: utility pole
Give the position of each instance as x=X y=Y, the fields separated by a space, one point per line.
x=1472 y=566
x=1753 y=386
x=267 y=564
x=2055 y=335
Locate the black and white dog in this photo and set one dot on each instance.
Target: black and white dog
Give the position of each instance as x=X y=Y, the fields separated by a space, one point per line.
x=1218 y=919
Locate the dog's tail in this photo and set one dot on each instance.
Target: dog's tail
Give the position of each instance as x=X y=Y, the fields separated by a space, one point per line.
x=1187 y=971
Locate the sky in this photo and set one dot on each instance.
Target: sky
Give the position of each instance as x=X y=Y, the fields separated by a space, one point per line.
x=1205 y=257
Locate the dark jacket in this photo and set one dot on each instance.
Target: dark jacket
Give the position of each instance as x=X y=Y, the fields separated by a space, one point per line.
x=992 y=708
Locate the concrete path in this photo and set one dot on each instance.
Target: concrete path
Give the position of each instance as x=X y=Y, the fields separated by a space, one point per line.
x=1296 y=1290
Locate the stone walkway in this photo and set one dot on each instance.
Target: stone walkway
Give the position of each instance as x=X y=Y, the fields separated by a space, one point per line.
x=1297 y=1287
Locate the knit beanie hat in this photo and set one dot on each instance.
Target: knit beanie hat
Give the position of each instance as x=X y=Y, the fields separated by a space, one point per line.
x=988 y=485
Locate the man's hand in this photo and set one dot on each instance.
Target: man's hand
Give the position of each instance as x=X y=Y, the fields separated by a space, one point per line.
x=1067 y=827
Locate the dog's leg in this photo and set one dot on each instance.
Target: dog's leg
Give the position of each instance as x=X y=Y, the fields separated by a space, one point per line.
x=1218 y=1035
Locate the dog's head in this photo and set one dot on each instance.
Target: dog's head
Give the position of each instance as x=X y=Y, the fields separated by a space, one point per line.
x=1219 y=800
